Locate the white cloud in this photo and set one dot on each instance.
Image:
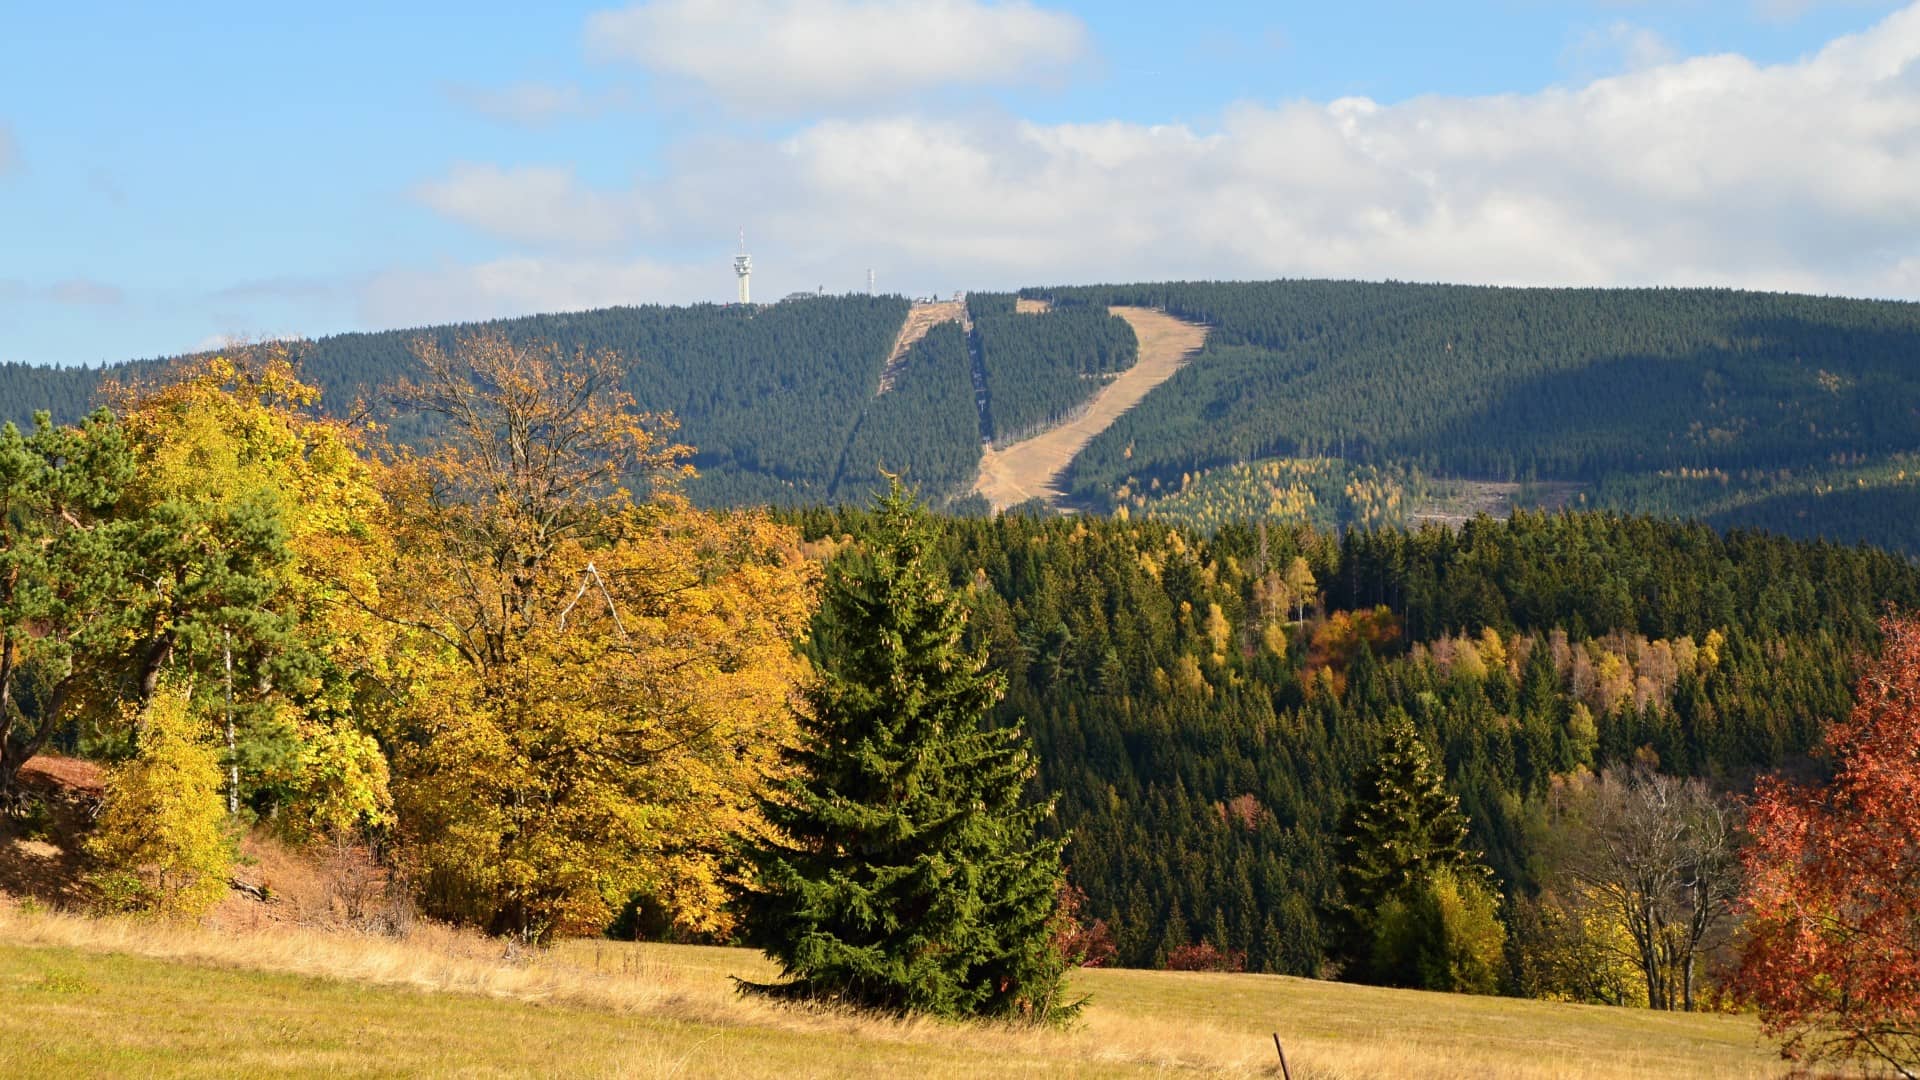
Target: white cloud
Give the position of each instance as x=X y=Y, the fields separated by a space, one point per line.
x=1711 y=170
x=531 y=104
x=1620 y=46
x=791 y=55
x=1789 y=10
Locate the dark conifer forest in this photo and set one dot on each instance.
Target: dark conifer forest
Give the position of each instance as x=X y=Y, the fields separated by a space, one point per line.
x=1205 y=707
x=1777 y=411
x=1040 y=367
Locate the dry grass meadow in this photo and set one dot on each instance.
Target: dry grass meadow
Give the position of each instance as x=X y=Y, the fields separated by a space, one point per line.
x=90 y=997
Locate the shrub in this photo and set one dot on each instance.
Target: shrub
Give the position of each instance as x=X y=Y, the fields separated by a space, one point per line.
x=1205 y=957
x=1442 y=934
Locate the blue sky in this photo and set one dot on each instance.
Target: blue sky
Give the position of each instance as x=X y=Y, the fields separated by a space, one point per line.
x=173 y=176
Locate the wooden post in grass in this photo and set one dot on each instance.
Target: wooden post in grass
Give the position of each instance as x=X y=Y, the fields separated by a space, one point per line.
x=1284 y=1071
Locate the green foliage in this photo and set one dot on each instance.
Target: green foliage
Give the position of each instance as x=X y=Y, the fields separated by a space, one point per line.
x=1205 y=787
x=251 y=519
x=1404 y=827
x=67 y=560
x=161 y=844
x=925 y=428
x=1609 y=385
x=1442 y=933
x=1322 y=492
x=1744 y=409
x=908 y=874
x=1873 y=499
x=1412 y=887
x=768 y=395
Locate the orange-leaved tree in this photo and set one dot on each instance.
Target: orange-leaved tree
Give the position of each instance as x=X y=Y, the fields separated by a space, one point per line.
x=597 y=686
x=1833 y=957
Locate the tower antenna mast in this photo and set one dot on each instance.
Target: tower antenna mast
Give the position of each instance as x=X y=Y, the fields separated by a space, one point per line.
x=743 y=269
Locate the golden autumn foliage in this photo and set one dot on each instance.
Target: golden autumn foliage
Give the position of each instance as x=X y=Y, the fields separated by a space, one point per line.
x=595 y=687
x=1338 y=639
x=160 y=844
x=235 y=443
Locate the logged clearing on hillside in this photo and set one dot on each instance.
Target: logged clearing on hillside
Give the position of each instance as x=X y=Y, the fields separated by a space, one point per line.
x=920 y=319
x=1031 y=468
x=1456 y=502
x=90 y=997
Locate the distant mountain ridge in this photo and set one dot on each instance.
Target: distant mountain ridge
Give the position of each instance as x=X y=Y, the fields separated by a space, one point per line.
x=1791 y=412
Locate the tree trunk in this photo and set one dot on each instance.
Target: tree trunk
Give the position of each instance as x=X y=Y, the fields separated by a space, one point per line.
x=233 y=758
x=150 y=665
x=16 y=751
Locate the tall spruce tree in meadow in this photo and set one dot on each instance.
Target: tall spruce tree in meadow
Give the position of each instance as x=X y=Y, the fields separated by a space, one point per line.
x=909 y=873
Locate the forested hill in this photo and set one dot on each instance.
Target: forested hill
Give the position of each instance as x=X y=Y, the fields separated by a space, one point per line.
x=1337 y=402
x=778 y=401
x=771 y=398
x=1790 y=412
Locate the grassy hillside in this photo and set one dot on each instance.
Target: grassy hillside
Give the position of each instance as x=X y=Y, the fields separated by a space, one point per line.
x=89 y=998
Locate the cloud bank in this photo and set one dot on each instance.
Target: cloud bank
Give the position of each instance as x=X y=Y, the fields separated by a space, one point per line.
x=1708 y=170
x=788 y=56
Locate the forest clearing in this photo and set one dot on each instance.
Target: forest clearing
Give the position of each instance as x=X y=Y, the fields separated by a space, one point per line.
x=920 y=319
x=1031 y=468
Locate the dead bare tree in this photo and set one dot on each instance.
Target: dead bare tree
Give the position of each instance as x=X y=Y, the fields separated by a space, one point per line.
x=1653 y=853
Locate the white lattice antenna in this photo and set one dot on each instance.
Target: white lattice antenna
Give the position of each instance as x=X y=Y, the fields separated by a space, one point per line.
x=743 y=269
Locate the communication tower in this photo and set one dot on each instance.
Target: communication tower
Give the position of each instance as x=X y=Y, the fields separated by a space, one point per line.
x=743 y=268
x=869 y=281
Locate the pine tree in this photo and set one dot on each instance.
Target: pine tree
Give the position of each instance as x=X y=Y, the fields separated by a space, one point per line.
x=909 y=874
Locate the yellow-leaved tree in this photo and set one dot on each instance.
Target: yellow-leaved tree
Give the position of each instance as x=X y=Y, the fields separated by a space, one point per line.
x=259 y=537
x=596 y=685
x=161 y=844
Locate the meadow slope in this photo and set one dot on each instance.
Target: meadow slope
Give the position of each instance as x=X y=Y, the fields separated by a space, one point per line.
x=92 y=997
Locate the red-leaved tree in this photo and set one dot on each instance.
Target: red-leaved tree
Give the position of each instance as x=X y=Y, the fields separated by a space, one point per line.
x=1833 y=885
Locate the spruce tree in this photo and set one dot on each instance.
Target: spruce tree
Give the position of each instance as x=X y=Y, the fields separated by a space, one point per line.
x=1403 y=823
x=908 y=874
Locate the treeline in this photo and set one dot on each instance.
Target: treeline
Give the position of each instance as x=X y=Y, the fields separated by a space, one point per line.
x=1499 y=383
x=1205 y=707
x=1041 y=366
